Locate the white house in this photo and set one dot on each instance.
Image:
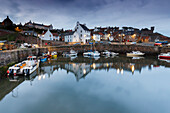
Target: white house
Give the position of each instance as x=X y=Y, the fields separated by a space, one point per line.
x=56 y=36
x=71 y=37
x=97 y=37
x=47 y=36
x=80 y=34
x=83 y=33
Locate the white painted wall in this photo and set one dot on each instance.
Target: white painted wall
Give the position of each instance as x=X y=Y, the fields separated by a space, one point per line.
x=83 y=35
x=47 y=36
x=56 y=38
x=68 y=38
x=96 y=37
x=72 y=38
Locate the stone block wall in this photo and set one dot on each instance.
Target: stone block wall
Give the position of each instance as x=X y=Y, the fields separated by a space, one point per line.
x=12 y=56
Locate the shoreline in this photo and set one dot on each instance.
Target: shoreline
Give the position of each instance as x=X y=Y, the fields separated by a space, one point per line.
x=6 y=57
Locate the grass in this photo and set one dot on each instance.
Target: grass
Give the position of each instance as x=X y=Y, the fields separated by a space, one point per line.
x=9 y=37
x=3 y=69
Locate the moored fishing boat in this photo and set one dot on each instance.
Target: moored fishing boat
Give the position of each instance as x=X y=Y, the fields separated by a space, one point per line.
x=86 y=54
x=25 y=67
x=72 y=53
x=91 y=53
x=54 y=55
x=135 y=53
x=164 y=56
x=95 y=53
x=43 y=59
x=108 y=53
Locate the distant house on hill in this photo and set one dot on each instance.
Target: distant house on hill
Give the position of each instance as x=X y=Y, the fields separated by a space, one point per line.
x=38 y=26
x=7 y=22
x=29 y=33
x=1 y=24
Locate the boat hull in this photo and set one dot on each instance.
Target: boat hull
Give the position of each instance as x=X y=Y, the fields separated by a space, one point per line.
x=164 y=57
x=26 y=70
x=130 y=54
x=54 y=56
x=71 y=55
x=43 y=59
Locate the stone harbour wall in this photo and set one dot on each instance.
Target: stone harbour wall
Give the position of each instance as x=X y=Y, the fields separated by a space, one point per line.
x=12 y=56
x=122 y=49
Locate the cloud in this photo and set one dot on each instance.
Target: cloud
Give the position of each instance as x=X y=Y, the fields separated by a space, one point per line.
x=65 y=13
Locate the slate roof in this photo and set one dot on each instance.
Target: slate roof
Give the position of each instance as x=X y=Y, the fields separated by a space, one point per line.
x=84 y=27
x=33 y=23
x=69 y=33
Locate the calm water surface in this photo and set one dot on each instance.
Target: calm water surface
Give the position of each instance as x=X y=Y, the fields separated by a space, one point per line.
x=83 y=85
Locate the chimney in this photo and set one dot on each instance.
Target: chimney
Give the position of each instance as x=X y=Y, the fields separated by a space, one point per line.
x=78 y=23
x=152 y=28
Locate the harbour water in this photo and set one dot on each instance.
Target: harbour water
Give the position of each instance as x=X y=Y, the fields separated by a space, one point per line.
x=88 y=85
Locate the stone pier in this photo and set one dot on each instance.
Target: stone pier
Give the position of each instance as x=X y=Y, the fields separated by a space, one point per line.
x=122 y=49
x=12 y=56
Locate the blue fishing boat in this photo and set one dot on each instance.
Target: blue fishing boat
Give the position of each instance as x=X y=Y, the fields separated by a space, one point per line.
x=43 y=59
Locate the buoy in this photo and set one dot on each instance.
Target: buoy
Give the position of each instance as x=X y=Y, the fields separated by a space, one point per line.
x=8 y=71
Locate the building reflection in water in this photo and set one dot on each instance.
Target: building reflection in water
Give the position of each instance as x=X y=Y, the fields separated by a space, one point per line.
x=81 y=68
x=86 y=65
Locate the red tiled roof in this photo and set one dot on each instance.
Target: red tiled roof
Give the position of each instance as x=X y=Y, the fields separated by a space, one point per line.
x=101 y=33
x=55 y=34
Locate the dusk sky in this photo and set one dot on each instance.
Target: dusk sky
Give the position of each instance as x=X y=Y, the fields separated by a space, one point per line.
x=65 y=13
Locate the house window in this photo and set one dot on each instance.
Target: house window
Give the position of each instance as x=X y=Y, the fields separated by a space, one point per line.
x=81 y=31
x=50 y=35
x=81 y=35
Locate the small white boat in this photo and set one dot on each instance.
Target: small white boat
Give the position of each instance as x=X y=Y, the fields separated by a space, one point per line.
x=95 y=53
x=91 y=53
x=25 y=67
x=164 y=55
x=108 y=53
x=85 y=54
x=135 y=53
x=72 y=53
x=114 y=54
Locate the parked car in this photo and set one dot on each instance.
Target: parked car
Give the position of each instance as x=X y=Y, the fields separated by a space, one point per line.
x=133 y=43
